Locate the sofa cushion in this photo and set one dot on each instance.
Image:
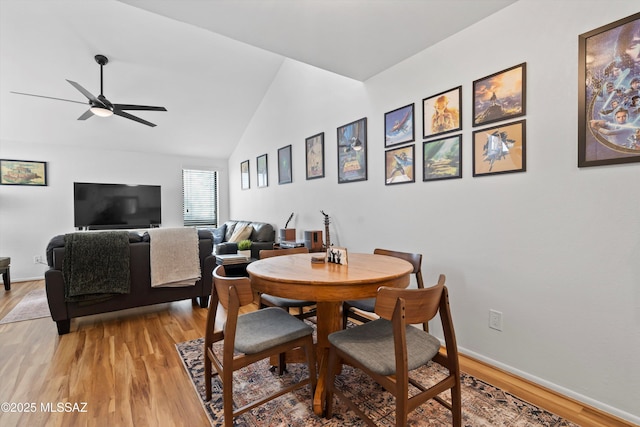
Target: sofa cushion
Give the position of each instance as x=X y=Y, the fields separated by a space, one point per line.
x=229 y=227
x=218 y=234
x=242 y=232
x=262 y=232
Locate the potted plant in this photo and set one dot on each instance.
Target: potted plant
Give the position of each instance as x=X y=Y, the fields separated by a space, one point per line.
x=244 y=248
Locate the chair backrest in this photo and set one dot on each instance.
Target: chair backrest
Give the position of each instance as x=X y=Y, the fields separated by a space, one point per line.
x=421 y=305
x=241 y=285
x=268 y=253
x=414 y=259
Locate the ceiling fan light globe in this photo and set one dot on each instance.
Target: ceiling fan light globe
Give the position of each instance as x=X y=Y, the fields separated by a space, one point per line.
x=101 y=112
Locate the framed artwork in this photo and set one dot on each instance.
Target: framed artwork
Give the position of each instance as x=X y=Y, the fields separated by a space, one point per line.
x=442 y=113
x=442 y=158
x=314 y=155
x=500 y=149
x=398 y=126
x=263 y=171
x=352 y=152
x=337 y=255
x=23 y=172
x=244 y=175
x=500 y=96
x=609 y=94
x=399 y=165
x=284 y=165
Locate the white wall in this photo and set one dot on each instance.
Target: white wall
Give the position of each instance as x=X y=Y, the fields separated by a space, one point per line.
x=556 y=248
x=31 y=216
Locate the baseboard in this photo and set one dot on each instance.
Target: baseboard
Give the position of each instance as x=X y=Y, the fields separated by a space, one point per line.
x=559 y=400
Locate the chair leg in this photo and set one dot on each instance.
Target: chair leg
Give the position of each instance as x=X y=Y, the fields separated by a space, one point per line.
x=456 y=406
x=207 y=376
x=330 y=382
x=227 y=397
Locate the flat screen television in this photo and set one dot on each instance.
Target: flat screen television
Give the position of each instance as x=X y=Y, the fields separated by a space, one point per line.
x=116 y=206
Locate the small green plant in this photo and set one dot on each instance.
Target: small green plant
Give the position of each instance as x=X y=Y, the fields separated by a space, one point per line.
x=244 y=245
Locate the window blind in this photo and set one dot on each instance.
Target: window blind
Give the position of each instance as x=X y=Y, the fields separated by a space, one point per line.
x=200 y=197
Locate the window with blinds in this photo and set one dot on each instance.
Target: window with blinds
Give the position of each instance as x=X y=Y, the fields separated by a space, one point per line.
x=200 y=197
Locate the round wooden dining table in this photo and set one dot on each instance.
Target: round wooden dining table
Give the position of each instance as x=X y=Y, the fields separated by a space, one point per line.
x=295 y=276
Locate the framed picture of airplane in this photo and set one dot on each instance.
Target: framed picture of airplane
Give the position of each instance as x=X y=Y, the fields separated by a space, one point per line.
x=500 y=149
x=400 y=165
x=398 y=126
x=23 y=172
x=442 y=113
x=442 y=158
x=500 y=96
x=352 y=152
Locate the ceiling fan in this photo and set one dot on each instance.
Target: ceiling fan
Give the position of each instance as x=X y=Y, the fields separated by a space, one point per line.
x=101 y=106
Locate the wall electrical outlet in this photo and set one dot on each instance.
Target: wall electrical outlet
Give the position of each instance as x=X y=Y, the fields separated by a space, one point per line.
x=37 y=259
x=495 y=320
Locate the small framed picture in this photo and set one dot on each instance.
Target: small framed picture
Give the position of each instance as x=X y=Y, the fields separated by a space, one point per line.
x=314 y=155
x=442 y=158
x=244 y=175
x=352 y=152
x=609 y=94
x=399 y=165
x=500 y=96
x=398 y=126
x=263 y=171
x=500 y=149
x=337 y=255
x=284 y=165
x=23 y=172
x=442 y=113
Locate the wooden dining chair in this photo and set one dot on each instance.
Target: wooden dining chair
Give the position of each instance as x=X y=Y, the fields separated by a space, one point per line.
x=249 y=338
x=389 y=348
x=350 y=308
x=267 y=300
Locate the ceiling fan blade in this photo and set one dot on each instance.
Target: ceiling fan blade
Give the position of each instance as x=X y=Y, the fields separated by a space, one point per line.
x=85 y=92
x=137 y=107
x=132 y=117
x=86 y=115
x=48 y=97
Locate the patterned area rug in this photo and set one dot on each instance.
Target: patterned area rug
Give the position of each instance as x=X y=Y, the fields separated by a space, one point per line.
x=483 y=404
x=32 y=306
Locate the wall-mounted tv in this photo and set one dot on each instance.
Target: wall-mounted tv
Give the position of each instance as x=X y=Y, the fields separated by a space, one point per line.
x=116 y=206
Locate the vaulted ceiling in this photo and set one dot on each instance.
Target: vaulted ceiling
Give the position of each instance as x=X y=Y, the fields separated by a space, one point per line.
x=209 y=62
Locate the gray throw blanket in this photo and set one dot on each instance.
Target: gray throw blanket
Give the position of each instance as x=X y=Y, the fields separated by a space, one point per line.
x=96 y=265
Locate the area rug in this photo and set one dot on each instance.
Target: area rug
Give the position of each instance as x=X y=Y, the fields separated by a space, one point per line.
x=32 y=306
x=483 y=404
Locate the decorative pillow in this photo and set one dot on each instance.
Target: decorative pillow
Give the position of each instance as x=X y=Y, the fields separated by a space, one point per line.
x=241 y=233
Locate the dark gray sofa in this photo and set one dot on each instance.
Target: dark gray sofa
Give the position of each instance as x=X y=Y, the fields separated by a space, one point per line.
x=262 y=237
x=141 y=293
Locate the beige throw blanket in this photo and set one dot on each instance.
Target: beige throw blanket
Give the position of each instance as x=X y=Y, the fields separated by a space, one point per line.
x=175 y=259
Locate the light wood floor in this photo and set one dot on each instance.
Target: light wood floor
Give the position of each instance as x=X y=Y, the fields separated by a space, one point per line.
x=124 y=366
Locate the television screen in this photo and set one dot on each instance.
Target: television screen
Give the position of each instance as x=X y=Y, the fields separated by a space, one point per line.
x=105 y=206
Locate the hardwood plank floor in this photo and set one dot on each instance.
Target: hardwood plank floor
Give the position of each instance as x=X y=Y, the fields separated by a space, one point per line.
x=124 y=366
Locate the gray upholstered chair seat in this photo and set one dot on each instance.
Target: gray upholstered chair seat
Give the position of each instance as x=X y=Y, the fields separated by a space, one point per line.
x=266 y=328
x=368 y=304
x=285 y=302
x=372 y=345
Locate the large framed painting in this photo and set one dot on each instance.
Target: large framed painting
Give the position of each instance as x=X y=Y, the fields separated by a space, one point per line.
x=314 y=149
x=352 y=151
x=398 y=126
x=609 y=94
x=399 y=165
x=23 y=172
x=244 y=175
x=442 y=113
x=262 y=167
x=500 y=96
x=442 y=158
x=500 y=149
x=285 y=175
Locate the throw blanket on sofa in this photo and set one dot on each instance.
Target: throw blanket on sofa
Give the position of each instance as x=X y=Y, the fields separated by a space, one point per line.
x=96 y=265
x=175 y=258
